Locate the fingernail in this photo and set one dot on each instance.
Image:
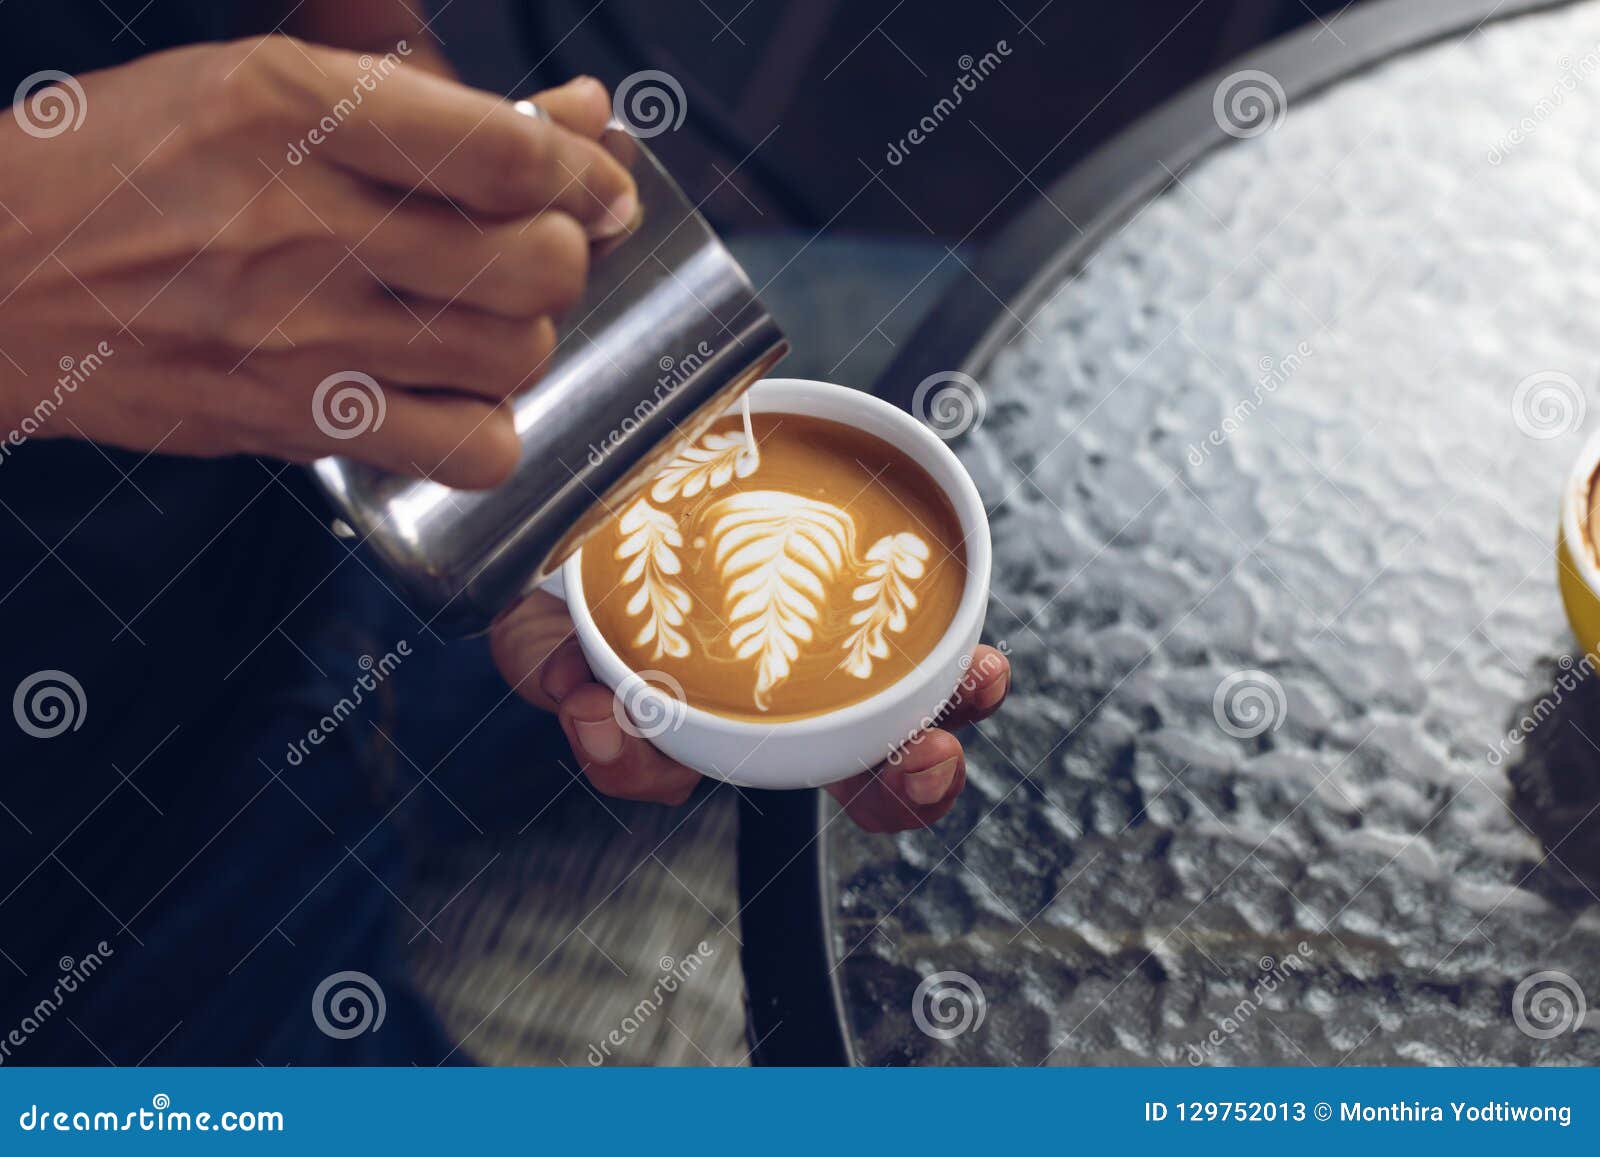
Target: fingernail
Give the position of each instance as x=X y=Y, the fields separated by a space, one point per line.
x=601 y=739
x=564 y=671
x=617 y=218
x=926 y=787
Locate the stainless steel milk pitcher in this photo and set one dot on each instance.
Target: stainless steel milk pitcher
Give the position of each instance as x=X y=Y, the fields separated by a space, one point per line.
x=669 y=332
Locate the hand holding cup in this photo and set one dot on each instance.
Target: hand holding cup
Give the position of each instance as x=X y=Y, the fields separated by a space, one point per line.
x=805 y=616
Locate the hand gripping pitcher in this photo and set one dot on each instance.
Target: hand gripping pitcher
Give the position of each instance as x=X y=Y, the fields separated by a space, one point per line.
x=668 y=334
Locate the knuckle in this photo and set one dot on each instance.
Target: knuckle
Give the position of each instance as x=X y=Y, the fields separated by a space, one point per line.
x=518 y=158
x=208 y=316
x=550 y=267
x=544 y=342
x=474 y=352
x=504 y=354
x=566 y=259
x=244 y=86
x=276 y=217
x=222 y=315
x=341 y=218
x=504 y=287
x=239 y=314
x=533 y=344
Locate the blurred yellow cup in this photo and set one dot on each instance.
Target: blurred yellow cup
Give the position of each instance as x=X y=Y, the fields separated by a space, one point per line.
x=1576 y=568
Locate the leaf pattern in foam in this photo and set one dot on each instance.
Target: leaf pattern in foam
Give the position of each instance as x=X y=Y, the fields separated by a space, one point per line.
x=893 y=564
x=776 y=554
x=651 y=540
x=706 y=465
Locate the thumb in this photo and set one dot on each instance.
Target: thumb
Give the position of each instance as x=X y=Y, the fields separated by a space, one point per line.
x=536 y=651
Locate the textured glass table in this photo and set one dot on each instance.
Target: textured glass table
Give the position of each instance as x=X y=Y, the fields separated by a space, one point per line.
x=1272 y=449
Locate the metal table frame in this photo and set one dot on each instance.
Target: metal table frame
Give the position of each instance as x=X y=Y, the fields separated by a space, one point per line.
x=796 y=1004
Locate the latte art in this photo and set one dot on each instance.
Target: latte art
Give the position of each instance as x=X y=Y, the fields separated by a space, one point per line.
x=710 y=463
x=649 y=546
x=894 y=564
x=792 y=566
x=776 y=554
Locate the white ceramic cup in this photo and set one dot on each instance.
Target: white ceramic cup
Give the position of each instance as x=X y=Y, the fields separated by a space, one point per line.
x=833 y=745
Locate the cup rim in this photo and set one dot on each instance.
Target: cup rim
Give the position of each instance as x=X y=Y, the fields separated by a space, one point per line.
x=1574 y=504
x=918 y=442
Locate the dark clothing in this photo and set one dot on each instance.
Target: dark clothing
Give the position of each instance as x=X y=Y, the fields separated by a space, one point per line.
x=78 y=36
x=210 y=620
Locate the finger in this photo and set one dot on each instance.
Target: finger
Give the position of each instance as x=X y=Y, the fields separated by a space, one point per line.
x=916 y=792
x=415 y=130
x=415 y=344
x=455 y=441
x=351 y=322
x=619 y=764
x=519 y=268
x=536 y=652
x=581 y=105
x=983 y=687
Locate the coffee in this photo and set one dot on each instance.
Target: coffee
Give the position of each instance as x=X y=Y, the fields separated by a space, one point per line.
x=779 y=569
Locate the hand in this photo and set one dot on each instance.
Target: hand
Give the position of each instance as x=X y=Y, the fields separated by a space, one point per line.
x=538 y=655
x=238 y=222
